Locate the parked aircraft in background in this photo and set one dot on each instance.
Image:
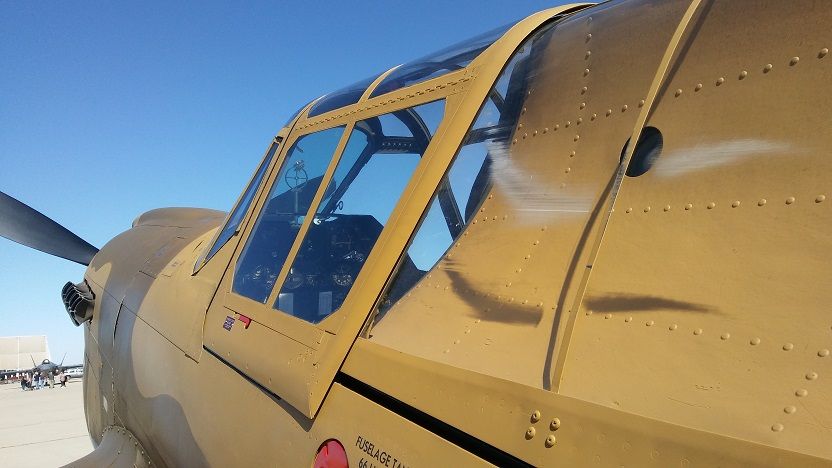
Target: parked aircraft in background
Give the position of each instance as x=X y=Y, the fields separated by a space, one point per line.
x=45 y=369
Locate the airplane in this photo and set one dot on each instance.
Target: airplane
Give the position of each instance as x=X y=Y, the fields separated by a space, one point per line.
x=463 y=261
x=45 y=368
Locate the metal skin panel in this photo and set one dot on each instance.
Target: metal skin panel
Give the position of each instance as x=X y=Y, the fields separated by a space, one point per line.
x=94 y=412
x=167 y=269
x=118 y=449
x=113 y=278
x=199 y=414
x=178 y=217
x=704 y=307
x=124 y=280
x=150 y=297
x=122 y=257
x=104 y=317
x=274 y=360
x=347 y=416
x=496 y=301
x=99 y=350
x=547 y=429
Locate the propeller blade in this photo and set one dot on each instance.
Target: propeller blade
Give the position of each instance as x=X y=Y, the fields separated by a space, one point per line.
x=25 y=225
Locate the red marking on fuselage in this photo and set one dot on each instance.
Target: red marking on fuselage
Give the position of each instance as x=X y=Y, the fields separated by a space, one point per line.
x=245 y=320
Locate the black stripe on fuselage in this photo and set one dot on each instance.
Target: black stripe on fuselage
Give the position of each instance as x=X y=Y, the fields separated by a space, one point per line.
x=453 y=435
x=242 y=374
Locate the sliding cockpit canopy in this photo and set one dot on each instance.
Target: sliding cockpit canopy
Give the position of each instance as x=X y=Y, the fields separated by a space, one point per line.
x=430 y=66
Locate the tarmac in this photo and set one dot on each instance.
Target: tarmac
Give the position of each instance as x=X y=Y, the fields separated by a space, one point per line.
x=42 y=428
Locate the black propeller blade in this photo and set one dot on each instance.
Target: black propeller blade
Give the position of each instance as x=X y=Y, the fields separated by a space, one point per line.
x=25 y=225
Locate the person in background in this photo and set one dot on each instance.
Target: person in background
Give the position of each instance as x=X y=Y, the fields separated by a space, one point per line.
x=24 y=381
x=62 y=378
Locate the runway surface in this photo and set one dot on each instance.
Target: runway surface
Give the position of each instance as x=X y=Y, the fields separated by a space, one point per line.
x=42 y=428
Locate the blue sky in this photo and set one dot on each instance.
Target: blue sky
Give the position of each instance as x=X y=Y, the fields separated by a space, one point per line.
x=108 y=110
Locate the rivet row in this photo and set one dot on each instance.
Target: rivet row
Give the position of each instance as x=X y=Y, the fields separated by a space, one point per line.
x=735 y=204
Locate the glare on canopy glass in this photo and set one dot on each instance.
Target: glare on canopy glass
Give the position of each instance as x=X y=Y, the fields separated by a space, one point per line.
x=375 y=167
x=440 y=62
x=430 y=66
x=343 y=97
x=471 y=175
